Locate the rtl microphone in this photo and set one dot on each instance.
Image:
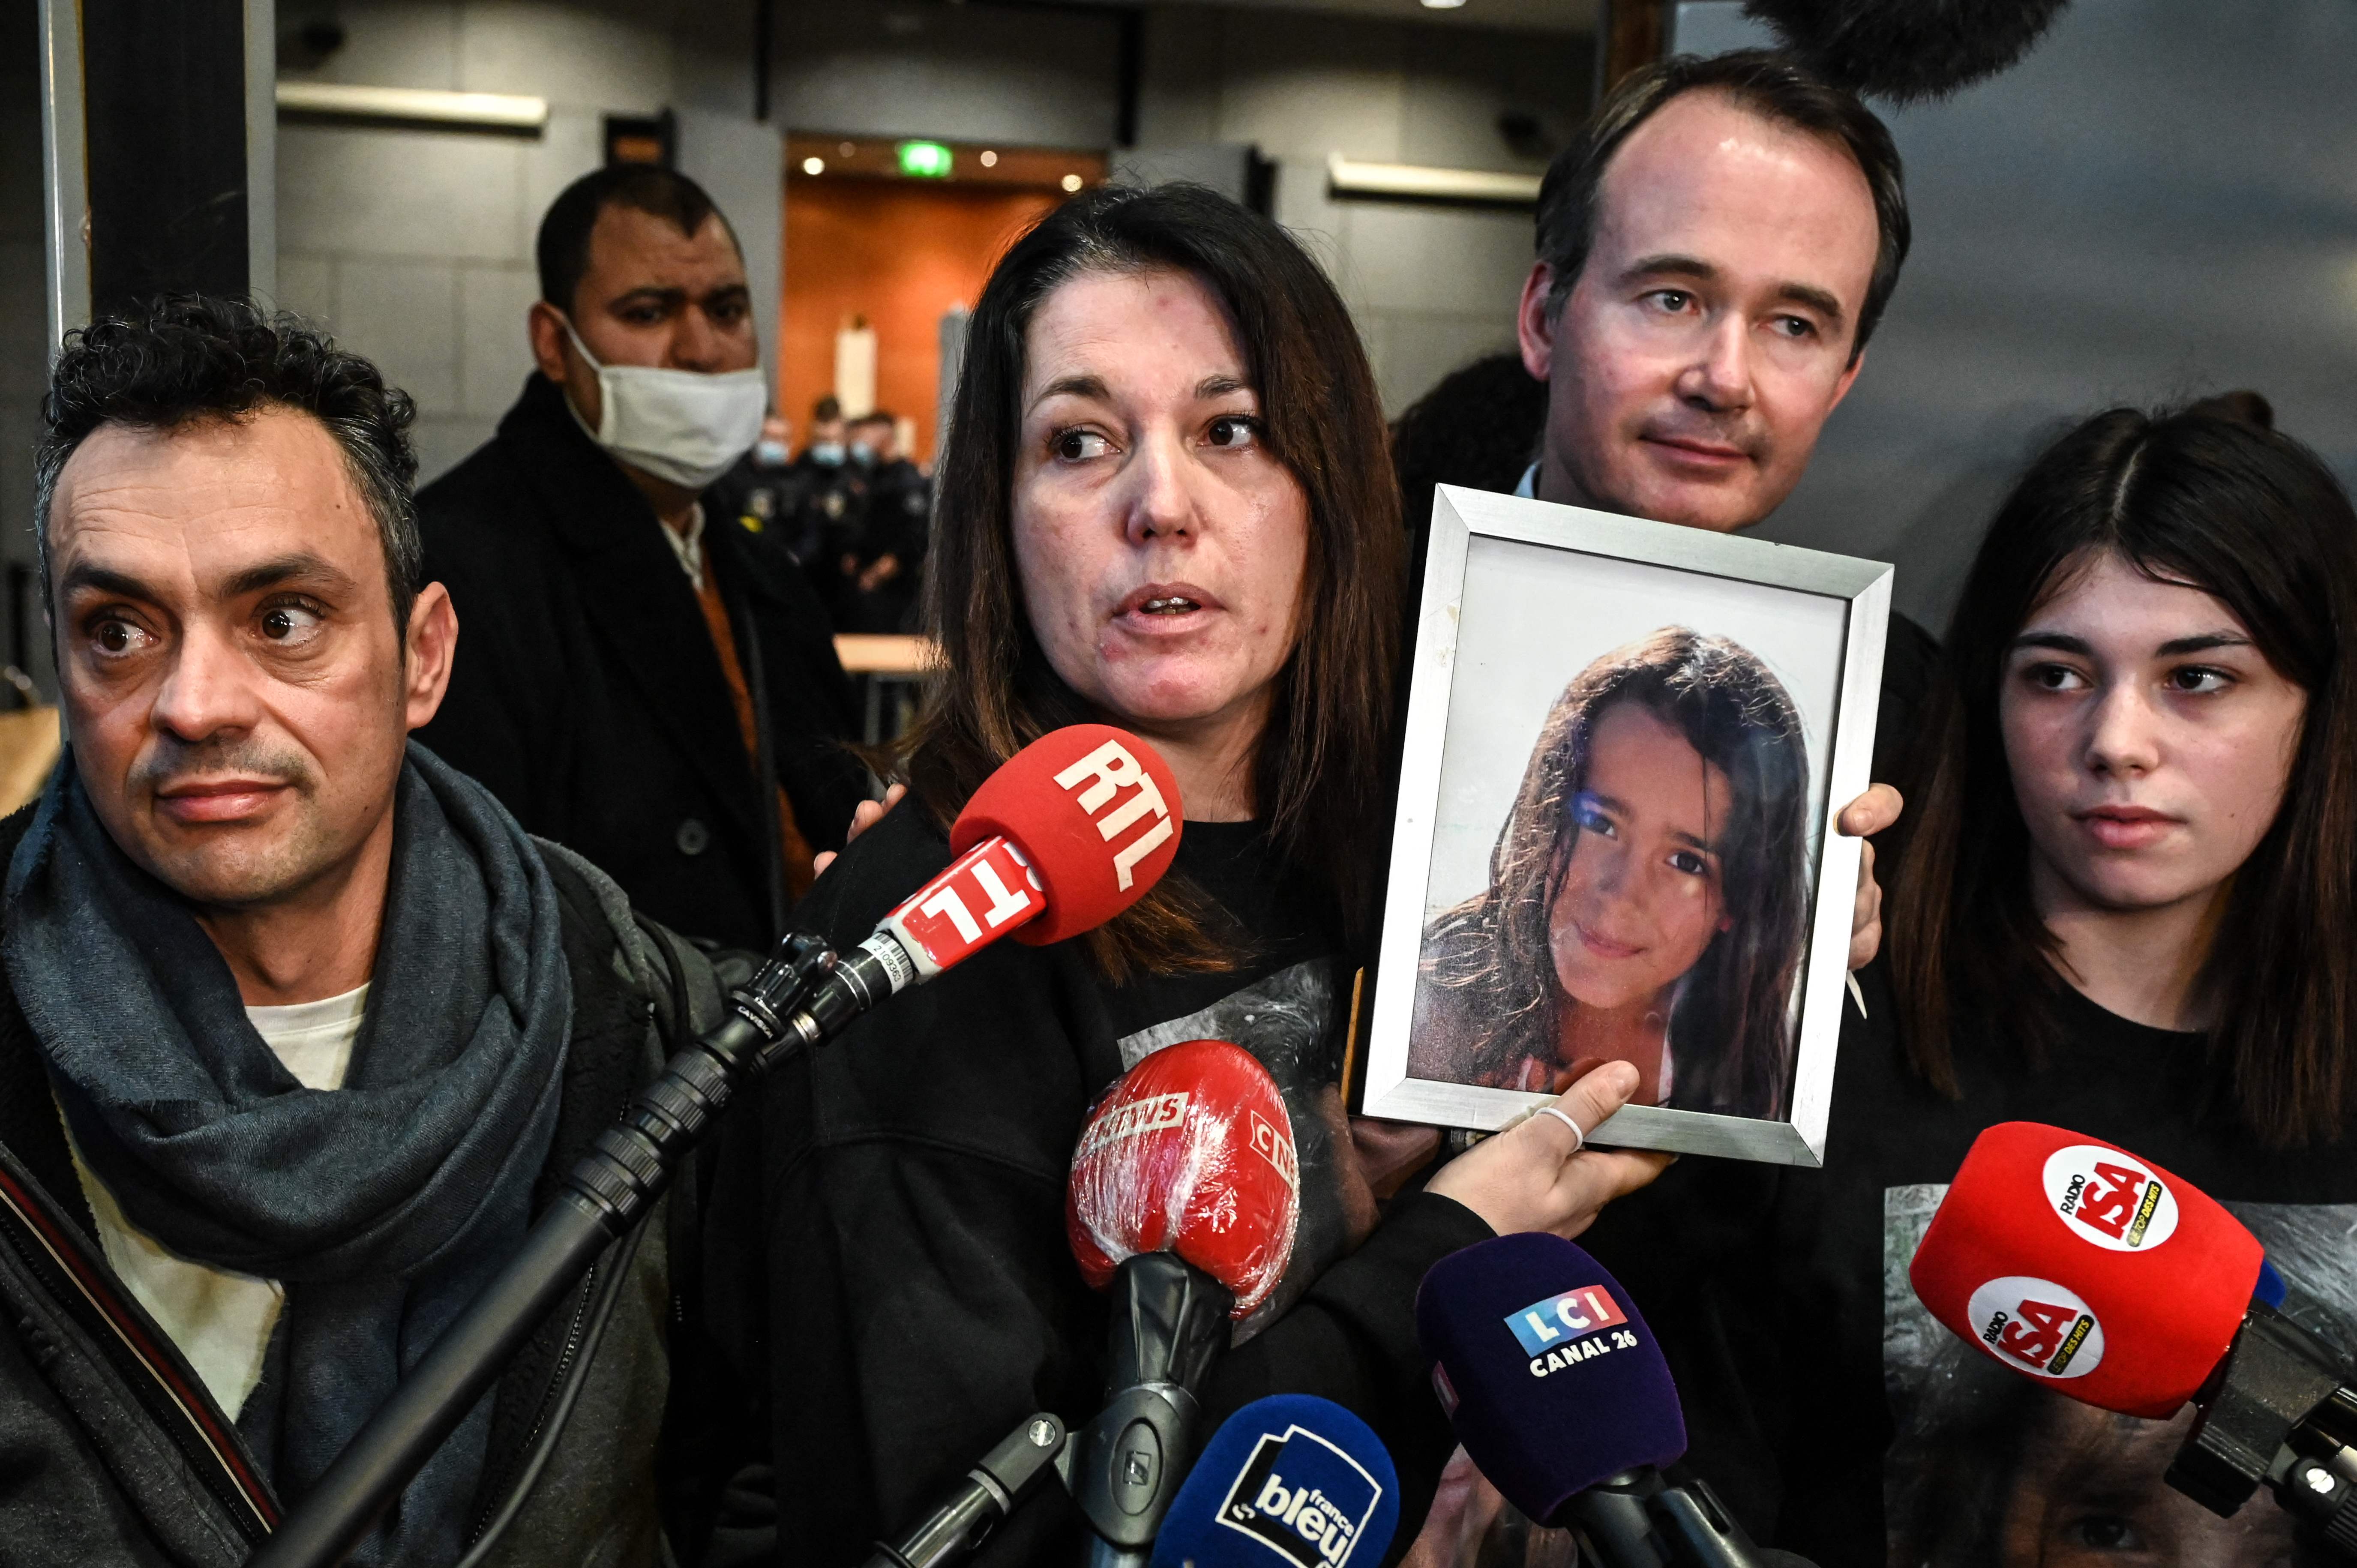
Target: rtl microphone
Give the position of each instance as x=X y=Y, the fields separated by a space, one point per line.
x=2085 y=1268
x=1071 y=831
x=1561 y=1397
x=1185 y=1194
x=1291 y=1481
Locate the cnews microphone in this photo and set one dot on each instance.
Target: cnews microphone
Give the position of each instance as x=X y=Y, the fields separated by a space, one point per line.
x=1560 y=1395
x=1071 y=831
x=1184 y=1199
x=1289 y=1480
x=2081 y=1267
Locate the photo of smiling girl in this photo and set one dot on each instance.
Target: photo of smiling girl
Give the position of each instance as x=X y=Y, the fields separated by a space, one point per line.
x=1648 y=896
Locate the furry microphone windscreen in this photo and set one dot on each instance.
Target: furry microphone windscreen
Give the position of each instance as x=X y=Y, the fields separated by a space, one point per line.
x=1907 y=50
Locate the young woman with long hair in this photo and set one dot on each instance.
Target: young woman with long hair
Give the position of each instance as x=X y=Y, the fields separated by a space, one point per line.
x=1648 y=896
x=2126 y=909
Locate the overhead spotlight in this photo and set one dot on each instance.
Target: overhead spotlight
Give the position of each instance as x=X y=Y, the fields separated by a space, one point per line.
x=990 y=160
x=1071 y=182
x=1442 y=5
x=814 y=166
x=844 y=149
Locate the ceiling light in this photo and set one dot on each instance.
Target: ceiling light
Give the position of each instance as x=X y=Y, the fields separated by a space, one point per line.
x=1442 y=5
x=990 y=160
x=1071 y=182
x=844 y=149
x=814 y=166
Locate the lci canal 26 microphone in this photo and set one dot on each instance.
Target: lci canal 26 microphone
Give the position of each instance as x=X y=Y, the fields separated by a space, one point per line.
x=2097 y=1273
x=1185 y=1196
x=1560 y=1395
x=1291 y=1481
x=1068 y=832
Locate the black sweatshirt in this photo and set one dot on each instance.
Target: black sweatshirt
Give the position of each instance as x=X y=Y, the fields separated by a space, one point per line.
x=1840 y=1421
x=888 y=1225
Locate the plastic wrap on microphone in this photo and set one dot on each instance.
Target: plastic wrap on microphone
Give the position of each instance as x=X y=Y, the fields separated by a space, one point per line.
x=1547 y=1370
x=1291 y=1481
x=1191 y=1151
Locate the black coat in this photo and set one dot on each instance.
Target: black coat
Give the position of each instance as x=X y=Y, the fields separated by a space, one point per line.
x=587 y=694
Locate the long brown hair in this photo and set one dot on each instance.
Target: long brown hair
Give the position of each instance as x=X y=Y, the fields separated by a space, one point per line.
x=1489 y=959
x=2253 y=518
x=1321 y=772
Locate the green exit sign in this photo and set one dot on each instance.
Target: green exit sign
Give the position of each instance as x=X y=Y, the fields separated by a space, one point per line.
x=924 y=160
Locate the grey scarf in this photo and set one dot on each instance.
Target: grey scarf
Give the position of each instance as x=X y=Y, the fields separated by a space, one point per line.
x=385 y=1206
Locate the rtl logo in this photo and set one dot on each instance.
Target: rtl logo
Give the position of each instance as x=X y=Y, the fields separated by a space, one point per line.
x=1103 y=774
x=987 y=889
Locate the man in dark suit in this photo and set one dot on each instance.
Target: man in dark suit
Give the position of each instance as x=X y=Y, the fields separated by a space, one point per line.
x=642 y=682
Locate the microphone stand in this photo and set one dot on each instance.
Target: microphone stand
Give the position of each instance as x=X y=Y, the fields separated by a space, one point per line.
x=991 y=1490
x=1644 y=1518
x=1169 y=1327
x=797 y=1000
x=2279 y=1410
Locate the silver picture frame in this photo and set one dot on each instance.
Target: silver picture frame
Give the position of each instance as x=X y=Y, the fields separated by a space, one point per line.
x=1466 y=522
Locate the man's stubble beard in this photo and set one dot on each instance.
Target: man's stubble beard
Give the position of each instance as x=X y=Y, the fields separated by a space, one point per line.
x=235 y=865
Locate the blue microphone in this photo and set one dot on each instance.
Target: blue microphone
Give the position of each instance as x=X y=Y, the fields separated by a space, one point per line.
x=1292 y=1481
x=1560 y=1394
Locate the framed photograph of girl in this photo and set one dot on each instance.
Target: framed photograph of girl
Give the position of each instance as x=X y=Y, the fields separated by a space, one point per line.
x=1613 y=839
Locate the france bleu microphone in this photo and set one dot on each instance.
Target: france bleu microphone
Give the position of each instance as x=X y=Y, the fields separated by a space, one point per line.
x=1067 y=834
x=1291 y=1481
x=1184 y=1199
x=2081 y=1267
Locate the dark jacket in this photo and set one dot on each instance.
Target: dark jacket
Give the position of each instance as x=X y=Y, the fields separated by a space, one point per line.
x=587 y=694
x=112 y=1451
x=886 y=1246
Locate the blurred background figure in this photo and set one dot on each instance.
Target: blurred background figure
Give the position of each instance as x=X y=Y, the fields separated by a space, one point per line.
x=882 y=572
x=763 y=492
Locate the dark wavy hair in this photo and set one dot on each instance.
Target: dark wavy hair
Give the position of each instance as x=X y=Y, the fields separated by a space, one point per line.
x=1321 y=773
x=180 y=360
x=1776 y=86
x=2212 y=499
x=1487 y=965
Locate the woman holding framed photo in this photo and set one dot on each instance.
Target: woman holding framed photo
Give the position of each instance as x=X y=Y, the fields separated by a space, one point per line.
x=1648 y=899
x=2126 y=909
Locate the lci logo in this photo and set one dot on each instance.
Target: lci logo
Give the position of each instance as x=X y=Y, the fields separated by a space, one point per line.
x=2036 y=1325
x=1543 y=1326
x=1303 y=1498
x=2108 y=1198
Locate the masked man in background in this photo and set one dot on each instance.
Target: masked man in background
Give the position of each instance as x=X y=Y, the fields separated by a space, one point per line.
x=641 y=684
x=298 y=1029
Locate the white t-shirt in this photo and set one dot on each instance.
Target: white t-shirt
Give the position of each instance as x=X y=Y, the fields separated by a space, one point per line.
x=220 y=1320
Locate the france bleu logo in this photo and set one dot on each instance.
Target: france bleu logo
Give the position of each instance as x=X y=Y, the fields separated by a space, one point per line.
x=1303 y=1498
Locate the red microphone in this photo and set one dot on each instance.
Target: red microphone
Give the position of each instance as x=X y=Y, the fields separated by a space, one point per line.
x=2074 y=1261
x=1191 y=1153
x=1068 y=832
x=1185 y=1194
x=2078 y=1264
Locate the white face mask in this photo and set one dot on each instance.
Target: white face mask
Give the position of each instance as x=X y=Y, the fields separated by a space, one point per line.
x=682 y=426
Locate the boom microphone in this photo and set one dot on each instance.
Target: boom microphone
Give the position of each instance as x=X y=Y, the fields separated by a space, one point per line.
x=1071 y=831
x=1907 y=50
x=2081 y=1267
x=1184 y=1199
x=1561 y=1397
x=1291 y=1481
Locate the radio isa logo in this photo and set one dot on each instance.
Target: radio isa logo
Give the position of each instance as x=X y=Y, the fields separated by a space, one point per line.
x=1303 y=1498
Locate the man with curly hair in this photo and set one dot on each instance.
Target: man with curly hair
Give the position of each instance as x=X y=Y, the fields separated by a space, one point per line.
x=298 y=1028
